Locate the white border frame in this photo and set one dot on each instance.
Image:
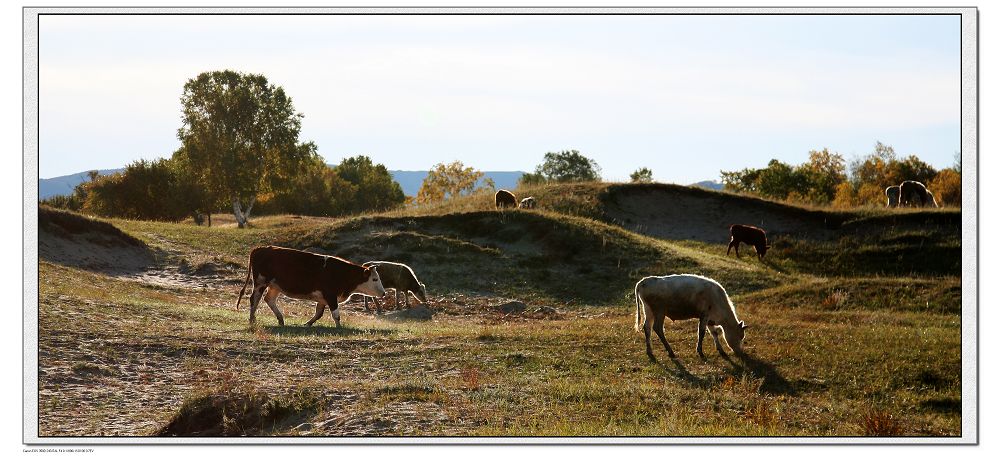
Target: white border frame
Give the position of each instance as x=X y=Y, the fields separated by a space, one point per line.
x=970 y=234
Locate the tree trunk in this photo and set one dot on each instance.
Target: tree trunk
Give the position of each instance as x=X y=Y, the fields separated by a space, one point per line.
x=209 y=219
x=242 y=215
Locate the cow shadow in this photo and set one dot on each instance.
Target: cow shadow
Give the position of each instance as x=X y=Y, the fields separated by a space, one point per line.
x=678 y=370
x=343 y=331
x=773 y=381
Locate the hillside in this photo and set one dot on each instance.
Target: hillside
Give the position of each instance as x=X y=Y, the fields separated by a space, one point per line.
x=158 y=348
x=803 y=239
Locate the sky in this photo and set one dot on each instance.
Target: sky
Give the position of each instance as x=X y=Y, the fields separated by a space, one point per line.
x=686 y=96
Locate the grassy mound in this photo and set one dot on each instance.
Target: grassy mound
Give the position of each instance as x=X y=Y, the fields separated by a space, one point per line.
x=75 y=240
x=534 y=255
x=239 y=413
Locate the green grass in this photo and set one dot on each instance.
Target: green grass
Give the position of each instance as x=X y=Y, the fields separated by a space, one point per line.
x=845 y=349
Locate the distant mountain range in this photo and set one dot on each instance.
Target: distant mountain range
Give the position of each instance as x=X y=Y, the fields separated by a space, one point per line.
x=63 y=186
x=709 y=184
x=409 y=180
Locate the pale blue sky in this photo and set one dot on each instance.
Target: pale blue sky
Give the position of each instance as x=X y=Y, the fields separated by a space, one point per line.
x=683 y=95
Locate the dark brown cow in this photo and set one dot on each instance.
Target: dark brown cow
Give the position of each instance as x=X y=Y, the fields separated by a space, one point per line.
x=328 y=280
x=749 y=235
x=911 y=192
x=505 y=198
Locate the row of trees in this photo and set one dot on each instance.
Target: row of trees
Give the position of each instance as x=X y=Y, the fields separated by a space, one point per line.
x=827 y=179
x=164 y=190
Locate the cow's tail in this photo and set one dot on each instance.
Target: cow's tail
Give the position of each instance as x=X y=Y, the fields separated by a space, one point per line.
x=245 y=282
x=639 y=310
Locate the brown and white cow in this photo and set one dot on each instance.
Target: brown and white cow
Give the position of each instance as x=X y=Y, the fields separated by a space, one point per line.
x=328 y=280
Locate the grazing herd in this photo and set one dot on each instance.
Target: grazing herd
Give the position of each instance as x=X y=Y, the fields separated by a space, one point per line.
x=331 y=281
x=908 y=194
x=328 y=280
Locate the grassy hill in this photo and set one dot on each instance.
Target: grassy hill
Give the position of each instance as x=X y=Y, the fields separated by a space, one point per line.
x=855 y=324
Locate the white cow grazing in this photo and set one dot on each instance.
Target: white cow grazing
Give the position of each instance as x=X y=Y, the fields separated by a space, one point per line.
x=685 y=297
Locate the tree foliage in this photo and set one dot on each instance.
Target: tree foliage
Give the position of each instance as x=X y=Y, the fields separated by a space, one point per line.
x=814 y=181
x=871 y=174
x=240 y=134
x=824 y=179
x=149 y=190
x=317 y=191
x=445 y=181
x=529 y=179
x=372 y=186
x=77 y=198
x=643 y=175
x=947 y=187
x=568 y=166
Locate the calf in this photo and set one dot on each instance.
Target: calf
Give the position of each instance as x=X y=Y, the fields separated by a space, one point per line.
x=328 y=280
x=685 y=297
x=504 y=199
x=892 y=196
x=527 y=202
x=749 y=235
x=401 y=279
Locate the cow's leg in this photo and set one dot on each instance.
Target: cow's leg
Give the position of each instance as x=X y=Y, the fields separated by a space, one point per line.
x=732 y=243
x=701 y=336
x=272 y=301
x=658 y=327
x=258 y=292
x=646 y=329
x=365 y=298
x=737 y=249
x=336 y=313
x=320 y=305
x=716 y=330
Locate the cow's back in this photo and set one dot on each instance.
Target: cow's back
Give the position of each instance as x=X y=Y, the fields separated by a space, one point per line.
x=681 y=297
x=394 y=275
x=296 y=272
x=748 y=234
x=505 y=198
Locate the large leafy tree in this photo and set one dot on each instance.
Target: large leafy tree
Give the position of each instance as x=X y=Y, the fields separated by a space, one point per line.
x=240 y=134
x=317 y=190
x=568 y=166
x=374 y=188
x=449 y=180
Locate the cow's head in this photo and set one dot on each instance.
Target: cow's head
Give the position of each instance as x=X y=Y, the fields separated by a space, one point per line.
x=762 y=250
x=372 y=284
x=421 y=294
x=735 y=335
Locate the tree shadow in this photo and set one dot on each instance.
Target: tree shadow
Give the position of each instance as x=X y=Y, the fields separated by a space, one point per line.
x=343 y=331
x=774 y=382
